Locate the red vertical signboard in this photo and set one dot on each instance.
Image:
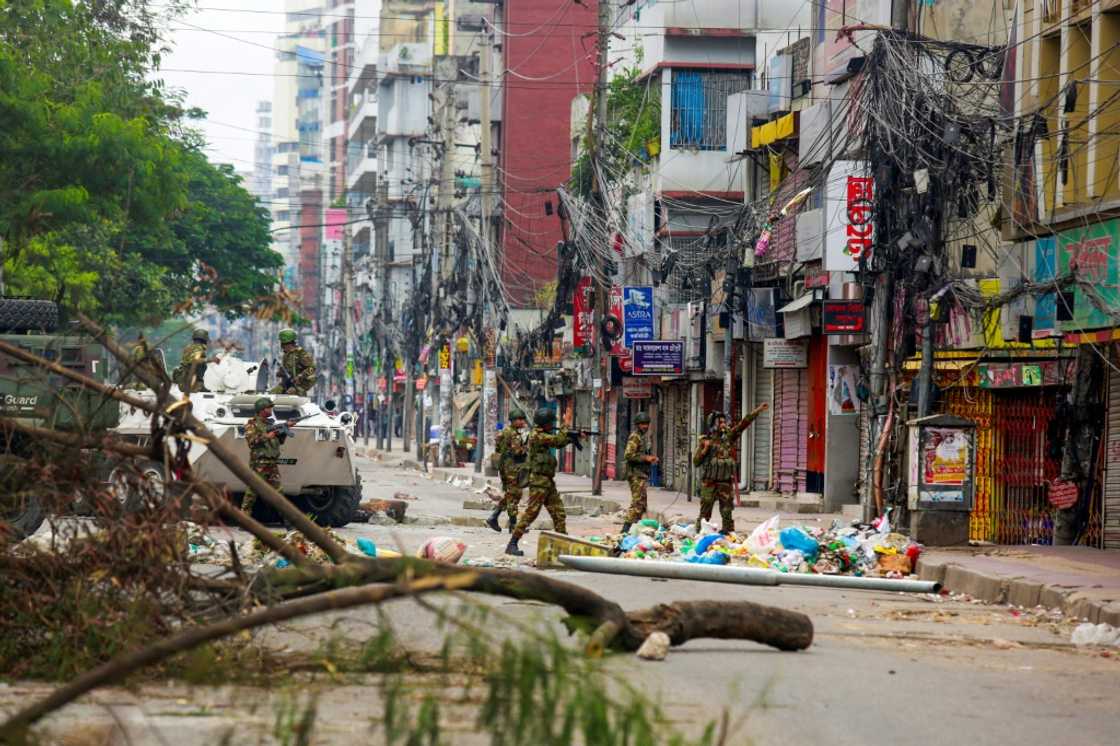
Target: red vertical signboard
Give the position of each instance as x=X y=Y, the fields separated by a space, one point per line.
x=583 y=312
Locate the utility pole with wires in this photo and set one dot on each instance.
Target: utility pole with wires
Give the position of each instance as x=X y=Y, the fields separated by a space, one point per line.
x=348 y=310
x=487 y=424
x=443 y=99
x=600 y=379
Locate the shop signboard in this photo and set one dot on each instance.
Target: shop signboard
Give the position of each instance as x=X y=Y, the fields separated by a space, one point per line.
x=843 y=317
x=1045 y=306
x=658 y=358
x=1062 y=494
x=445 y=357
x=850 y=227
x=1092 y=253
x=618 y=349
x=785 y=353
x=583 y=314
x=637 y=314
x=637 y=388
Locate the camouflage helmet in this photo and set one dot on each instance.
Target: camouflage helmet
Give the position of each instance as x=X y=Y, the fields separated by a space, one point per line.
x=262 y=404
x=287 y=336
x=516 y=414
x=544 y=416
x=713 y=417
x=641 y=418
x=200 y=335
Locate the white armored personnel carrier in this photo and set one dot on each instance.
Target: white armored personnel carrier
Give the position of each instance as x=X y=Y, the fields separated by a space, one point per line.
x=317 y=470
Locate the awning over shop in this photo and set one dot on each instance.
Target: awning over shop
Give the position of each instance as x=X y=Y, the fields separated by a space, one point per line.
x=779 y=129
x=466 y=404
x=797 y=305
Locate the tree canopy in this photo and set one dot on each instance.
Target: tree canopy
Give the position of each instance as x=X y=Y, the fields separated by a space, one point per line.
x=107 y=202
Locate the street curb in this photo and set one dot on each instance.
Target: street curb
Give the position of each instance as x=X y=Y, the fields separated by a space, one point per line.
x=1074 y=602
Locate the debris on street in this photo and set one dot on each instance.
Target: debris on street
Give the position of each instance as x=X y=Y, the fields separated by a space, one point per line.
x=442 y=549
x=1096 y=634
x=858 y=550
x=655 y=647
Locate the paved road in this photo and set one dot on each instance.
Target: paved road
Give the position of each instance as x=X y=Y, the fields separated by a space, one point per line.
x=885 y=668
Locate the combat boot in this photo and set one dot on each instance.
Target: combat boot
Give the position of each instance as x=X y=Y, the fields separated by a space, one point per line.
x=512 y=549
x=492 y=521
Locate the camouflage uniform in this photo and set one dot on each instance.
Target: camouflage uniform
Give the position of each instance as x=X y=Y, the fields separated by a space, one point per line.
x=637 y=474
x=194 y=355
x=542 y=486
x=716 y=458
x=139 y=359
x=264 y=456
x=513 y=451
x=301 y=370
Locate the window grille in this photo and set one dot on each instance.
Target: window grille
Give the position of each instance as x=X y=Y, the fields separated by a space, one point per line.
x=699 y=106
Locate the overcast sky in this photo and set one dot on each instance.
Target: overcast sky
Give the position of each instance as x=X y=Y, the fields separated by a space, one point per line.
x=228 y=97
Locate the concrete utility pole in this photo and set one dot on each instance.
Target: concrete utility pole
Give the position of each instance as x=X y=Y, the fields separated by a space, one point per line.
x=447 y=71
x=729 y=334
x=487 y=421
x=600 y=378
x=348 y=308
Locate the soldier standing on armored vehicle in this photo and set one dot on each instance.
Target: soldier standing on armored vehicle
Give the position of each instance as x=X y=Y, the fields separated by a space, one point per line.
x=192 y=366
x=297 y=368
x=264 y=449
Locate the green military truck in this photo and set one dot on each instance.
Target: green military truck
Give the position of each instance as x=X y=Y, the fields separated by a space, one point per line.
x=33 y=396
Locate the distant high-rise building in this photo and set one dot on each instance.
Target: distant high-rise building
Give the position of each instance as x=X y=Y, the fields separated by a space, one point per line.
x=260 y=183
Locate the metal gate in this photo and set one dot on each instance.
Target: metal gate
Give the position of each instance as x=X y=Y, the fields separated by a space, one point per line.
x=1110 y=520
x=791 y=430
x=676 y=411
x=762 y=387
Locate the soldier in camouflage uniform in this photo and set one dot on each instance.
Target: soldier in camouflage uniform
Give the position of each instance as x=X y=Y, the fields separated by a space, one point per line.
x=512 y=451
x=716 y=456
x=140 y=357
x=192 y=365
x=542 y=473
x=264 y=449
x=639 y=459
x=298 y=366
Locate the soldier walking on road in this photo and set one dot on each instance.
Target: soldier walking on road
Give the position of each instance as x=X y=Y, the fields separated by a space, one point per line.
x=542 y=473
x=639 y=458
x=512 y=451
x=192 y=365
x=264 y=449
x=716 y=458
x=297 y=367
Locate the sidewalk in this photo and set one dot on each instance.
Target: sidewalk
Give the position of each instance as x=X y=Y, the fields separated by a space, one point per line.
x=1084 y=583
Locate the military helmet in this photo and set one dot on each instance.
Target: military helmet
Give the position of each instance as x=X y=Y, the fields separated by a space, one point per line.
x=287 y=335
x=516 y=414
x=262 y=404
x=641 y=418
x=544 y=416
x=713 y=417
x=200 y=335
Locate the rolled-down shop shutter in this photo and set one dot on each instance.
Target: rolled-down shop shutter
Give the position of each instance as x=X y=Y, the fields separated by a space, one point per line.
x=761 y=433
x=791 y=430
x=668 y=453
x=1111 y=517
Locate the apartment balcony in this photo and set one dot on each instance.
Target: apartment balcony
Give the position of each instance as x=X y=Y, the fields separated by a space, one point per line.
x=364 y=69
x=405 y=59
x=361 y=169
x=362 y=112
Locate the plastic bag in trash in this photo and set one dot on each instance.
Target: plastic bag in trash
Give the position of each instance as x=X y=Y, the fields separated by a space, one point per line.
x=367 y=546
x=1096 y=634
x=707 y=527
x=629 y=542
x=796 y=538
x=704 y=543
x=442 y=549
x=683 y=530
x=764 y=539
x=713 y=557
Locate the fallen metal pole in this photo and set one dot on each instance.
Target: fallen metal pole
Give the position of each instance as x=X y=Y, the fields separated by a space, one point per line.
x=740 y=575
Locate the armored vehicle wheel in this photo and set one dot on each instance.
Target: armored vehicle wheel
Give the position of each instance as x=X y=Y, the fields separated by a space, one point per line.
x=333 y=506
x=23 y=315
x=21 y=513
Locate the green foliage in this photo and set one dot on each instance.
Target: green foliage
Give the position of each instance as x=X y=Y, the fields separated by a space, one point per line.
x=634 y=120
x=106 y=200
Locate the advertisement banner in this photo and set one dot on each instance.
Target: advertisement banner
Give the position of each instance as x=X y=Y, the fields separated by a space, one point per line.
x=945 y=456
x=658 y=358
x=336 y=221
x=1091 y=251
x=637 y=314
x=583 y=314
x=849 y=229
x=1045 y=269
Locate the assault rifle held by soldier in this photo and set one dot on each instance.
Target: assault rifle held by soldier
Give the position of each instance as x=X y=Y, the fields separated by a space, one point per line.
x=283 y=429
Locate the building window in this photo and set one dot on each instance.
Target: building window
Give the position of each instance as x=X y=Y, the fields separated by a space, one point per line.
x=283 y=216
x=699 y=107
x=282 y=170
x=282 y=193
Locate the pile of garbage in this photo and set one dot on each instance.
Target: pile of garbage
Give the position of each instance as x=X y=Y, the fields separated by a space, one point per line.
x=859 y=550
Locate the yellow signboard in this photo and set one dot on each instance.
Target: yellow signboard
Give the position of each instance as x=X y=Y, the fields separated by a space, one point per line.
x=445 y=357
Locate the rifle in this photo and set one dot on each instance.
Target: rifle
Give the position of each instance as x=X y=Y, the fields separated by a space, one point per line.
x=285 y=377
x=283 y=429
x=574 y=436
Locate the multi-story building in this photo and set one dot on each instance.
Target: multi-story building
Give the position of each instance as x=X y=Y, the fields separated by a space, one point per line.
x=297 y=159
x=260 y=182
